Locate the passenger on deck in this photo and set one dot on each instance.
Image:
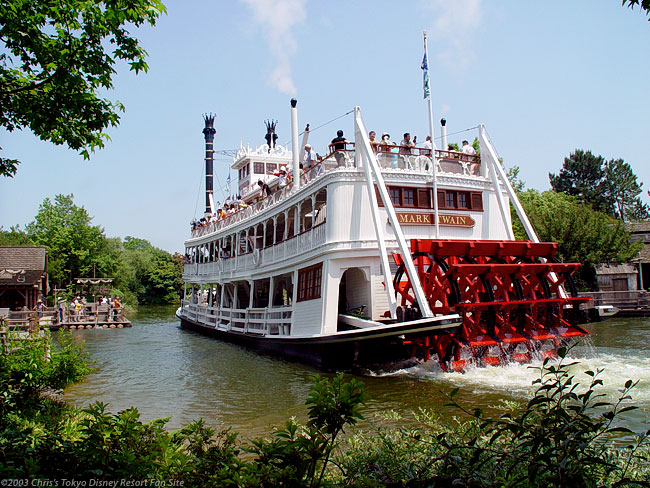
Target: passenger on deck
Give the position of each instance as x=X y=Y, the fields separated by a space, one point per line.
x=427 y=144
x=388 y=146
x=407 y=144
x=265 y=189
x=339 y=145
x=374 y=142
x=310 y=157
x=282 y=178
x=467 y=149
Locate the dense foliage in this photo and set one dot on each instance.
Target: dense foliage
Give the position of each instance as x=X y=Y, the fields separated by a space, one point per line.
x=76 y=248
x=56 y=56
x=561 y=437
x=583 y=234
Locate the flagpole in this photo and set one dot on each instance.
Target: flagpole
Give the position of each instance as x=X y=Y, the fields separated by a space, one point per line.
x=427 y=94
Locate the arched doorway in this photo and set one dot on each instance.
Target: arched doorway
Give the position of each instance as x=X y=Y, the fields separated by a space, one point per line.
x=354 y=293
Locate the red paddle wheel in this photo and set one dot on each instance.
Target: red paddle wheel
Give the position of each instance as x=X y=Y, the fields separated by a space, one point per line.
x=517 y=302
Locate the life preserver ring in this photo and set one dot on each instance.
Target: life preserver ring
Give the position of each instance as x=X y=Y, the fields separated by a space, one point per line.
x=256 y=256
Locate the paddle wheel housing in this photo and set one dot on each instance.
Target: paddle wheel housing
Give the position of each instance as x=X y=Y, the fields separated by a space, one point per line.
x=516 y=300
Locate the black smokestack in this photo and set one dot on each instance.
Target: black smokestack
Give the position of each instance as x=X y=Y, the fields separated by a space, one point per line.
x=209 y=132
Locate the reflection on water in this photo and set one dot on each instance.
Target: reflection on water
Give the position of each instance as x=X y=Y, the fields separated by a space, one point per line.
x=167 y=372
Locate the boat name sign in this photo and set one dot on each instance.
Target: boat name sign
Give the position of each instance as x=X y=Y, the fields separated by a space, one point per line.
x=427 y=219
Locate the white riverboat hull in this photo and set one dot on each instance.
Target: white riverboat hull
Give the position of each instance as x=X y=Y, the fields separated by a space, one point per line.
x=377 y=344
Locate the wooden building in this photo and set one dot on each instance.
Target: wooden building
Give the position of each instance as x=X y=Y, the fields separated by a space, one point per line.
x=617 y=277
x=641 y=232
x=23 y=276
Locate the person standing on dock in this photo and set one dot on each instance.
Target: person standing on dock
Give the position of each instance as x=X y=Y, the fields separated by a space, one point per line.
x=116 y=308
x=60 y=306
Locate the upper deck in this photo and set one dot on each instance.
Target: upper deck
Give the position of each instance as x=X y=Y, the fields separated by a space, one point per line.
x=410 y=164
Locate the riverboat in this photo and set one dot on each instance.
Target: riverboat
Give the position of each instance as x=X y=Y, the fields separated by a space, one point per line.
x=376 y=253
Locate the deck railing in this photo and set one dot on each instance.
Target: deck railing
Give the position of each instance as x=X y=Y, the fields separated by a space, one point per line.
x=90 y=314
x=257 y=321
x=390 y=157
x=303 y=242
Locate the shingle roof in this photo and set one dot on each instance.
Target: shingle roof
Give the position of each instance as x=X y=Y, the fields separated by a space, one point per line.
x=610 y=269
x=637 y=227
x=27 y=264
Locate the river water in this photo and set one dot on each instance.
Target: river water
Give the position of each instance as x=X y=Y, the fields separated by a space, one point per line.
x=168 y=372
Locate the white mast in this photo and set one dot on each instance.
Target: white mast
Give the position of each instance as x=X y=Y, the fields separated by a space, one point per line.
x=427 y=95
x=365 y=154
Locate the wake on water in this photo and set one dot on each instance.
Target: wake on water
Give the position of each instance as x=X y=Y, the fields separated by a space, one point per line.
x=517 y=379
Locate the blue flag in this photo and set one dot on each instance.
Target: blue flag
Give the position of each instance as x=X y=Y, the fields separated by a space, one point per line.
x=228 y=184
x=425 y=77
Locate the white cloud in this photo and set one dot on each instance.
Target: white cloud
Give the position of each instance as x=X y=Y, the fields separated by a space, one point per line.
x=276 y=18
x=453 y=34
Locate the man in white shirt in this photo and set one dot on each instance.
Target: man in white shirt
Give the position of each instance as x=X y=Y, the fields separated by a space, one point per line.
x=467 y=149
x=427 y=144
x=310 y=157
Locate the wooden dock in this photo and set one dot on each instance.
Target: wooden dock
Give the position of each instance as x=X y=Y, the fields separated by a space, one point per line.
x=90 y=317
x=630 y=303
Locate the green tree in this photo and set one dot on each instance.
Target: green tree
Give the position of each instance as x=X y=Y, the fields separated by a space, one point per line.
x=583 y=176
x=517 y=183
x=55 y=57
x=623 y=191
x=151 y=274
x=14 y=237
x=583 y=234
x=73 y=244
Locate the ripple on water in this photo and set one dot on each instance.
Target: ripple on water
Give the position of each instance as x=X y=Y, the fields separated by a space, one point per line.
x=168 y=372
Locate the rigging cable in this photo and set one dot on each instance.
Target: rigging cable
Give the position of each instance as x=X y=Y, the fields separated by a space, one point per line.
x=322 y=125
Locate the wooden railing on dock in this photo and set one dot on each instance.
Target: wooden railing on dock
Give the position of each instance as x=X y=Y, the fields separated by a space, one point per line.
x=628 y=302
x=90 y=316
x=12 y=335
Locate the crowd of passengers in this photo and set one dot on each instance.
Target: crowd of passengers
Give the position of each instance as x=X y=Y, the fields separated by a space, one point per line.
x=312 y=161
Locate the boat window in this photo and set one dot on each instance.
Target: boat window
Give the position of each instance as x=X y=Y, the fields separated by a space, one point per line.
x=462 y=199
x=450 y=199
x=408 y=197
x=424 y=199
x=395 y=195
x=258 y=168
x=477 y=201
x=309 y=282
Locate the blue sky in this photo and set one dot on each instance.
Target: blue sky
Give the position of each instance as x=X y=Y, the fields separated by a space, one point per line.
x=544 y=77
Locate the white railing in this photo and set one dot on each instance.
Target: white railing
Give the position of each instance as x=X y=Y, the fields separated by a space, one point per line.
x=254 y=321
x=393 y=158
x=305 y=241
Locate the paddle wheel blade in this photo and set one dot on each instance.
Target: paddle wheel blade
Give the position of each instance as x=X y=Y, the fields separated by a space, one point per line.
x=517 y=302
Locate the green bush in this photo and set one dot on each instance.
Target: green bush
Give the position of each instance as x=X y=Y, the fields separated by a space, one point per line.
x=562 y=437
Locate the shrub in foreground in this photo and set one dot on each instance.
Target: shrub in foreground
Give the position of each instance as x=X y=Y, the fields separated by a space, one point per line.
x=562 y=437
